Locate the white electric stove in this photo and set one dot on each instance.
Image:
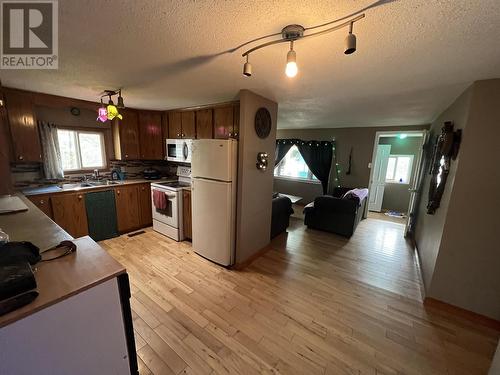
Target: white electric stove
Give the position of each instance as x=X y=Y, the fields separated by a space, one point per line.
x=169 y=221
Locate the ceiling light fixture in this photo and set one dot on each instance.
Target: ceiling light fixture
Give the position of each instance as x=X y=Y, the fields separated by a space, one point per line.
x=292 y=33
x=110 y=111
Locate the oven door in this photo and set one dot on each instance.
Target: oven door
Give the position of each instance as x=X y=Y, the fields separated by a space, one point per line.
x=169 y=216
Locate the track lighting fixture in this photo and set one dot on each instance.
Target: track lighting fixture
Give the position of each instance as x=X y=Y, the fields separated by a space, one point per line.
x=109 y=112
x=350 y=42
x=292 y=33
x=291 y=62
x=120 y=103
x=247 y=68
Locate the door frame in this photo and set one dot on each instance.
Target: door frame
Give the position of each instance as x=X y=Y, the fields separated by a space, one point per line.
x=388 y=133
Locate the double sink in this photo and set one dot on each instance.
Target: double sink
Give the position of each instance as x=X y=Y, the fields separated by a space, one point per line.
x=90 y=184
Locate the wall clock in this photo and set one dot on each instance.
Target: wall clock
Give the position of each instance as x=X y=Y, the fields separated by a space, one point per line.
x=263 y=123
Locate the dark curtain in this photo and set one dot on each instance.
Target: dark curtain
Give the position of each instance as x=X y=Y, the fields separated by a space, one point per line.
x=318 y=157
x=282 y=147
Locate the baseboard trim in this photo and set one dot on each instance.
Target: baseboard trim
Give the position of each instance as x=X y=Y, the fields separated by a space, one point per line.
x=463 y=313
x=247 y=262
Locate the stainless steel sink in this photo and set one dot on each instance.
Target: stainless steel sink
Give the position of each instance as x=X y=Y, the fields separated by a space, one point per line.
x=102 y=183
x=75 y=186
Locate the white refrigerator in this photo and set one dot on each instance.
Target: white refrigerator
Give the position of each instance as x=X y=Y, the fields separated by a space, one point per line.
x=213 y=171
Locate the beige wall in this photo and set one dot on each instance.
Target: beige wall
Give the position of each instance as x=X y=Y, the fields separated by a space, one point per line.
x=429 y=228
x=467 y=271
x=397 y=196
x=360 y=139
x=255 y=187
x=495 y=365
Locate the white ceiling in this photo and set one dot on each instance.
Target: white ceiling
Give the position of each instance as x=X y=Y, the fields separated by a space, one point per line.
x=414 y=56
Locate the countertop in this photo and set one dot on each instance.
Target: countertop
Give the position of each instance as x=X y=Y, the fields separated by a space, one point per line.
x=62 y=278
x=54 y=189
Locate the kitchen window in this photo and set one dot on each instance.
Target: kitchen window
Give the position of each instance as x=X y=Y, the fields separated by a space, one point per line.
x=294 y=167
x=399 y=169
x=81 y=149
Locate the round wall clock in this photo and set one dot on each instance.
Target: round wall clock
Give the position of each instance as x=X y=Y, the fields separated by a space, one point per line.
x=75 y=111
x=263 y=122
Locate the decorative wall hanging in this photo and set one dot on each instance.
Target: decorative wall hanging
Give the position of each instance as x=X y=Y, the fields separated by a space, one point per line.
x=293 y=33
x=109 y=112
x=262 y=161
x=348 y=172
x=263 y=123
x=445 y=150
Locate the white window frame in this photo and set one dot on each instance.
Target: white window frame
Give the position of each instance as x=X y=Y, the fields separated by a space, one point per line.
x=408 y=177
x=310 y=179
x=79 y=153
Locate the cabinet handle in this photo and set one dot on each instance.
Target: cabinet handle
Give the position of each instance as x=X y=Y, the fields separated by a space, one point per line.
x=42 y=201
x=21 y=157
x=80 y=196
x=126 y=156
x=118 y=192
x=183 y=135
x=235 y=135
x=230 y=134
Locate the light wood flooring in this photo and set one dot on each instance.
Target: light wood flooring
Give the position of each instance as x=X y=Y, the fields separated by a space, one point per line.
x=315 y=304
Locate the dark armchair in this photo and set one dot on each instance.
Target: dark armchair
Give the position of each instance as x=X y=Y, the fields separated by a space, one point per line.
x=280 y=219
x=335 y=214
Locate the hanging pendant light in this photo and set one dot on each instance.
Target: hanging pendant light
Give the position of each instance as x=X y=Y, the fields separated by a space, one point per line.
x=291 y=62
x=350 y=42
x=102 y=113
x=120 y=103
x=247 y=68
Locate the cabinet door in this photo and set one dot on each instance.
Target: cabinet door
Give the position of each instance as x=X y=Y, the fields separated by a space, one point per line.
x=236 y=120
x=151 y=145
x=127 y=208
x=174 y=125
x=43 y=203
x=164 y=132
x=188 y=125
x=129 y=135
x=70 y=213
x=204 y=124
x=186 y=214
x=145 y=213
x=23 y=127
x=223 y=122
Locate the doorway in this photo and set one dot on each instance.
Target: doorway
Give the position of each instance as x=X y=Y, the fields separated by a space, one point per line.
x=395 y=175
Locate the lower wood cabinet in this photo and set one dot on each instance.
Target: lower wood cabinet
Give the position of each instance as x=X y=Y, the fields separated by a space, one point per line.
x=127 y=208
x=186 y=214
x=145 y=212
x=70 y=213
x=43 y=203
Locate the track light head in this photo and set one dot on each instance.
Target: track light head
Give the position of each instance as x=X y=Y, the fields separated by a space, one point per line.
x=120 y=103
x=291 y=62
x=350 y=42
x=247 y=69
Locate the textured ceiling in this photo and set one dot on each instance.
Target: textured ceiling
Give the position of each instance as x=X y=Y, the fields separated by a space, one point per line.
x=414 y=56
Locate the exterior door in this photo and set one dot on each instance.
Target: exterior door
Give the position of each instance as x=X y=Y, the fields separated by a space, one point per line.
x=377 y=185
x=417 y=183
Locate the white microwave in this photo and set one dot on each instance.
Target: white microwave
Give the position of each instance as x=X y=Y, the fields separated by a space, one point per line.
x=179 y=150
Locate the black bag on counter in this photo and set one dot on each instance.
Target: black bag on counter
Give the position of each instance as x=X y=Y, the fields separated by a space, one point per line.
x=15 y=252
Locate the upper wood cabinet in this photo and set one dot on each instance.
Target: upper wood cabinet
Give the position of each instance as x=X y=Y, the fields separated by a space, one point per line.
x=223 y=122
x=187 y=214
x=174 y=125
x=150 y=137
x=145 y=209
x=127 y=208
x=236 y=120
x=23 y=127
x=70 y=213
x=181 y=124
x=126 y=136
x=204 y=124
x=188 y=125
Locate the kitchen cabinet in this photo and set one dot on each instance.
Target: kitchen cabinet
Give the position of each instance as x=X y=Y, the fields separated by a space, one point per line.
x=236 y=120
x=150 y=137
x=127 y=208
x=70 y=213
x=126 y=136
x=186 y=214
x=223 y=122
x=174 y=125
x=181 y=124
x=204 y=124
x=43 y=203
x=145 y=212
x=23 y=127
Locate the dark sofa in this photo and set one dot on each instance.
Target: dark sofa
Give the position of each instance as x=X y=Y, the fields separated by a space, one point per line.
x=280 y=219
x=334 y=214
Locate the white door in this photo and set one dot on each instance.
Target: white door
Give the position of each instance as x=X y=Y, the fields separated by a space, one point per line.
x=213 y=220
x=377 y=185
x=417 y=182
x=215 y=159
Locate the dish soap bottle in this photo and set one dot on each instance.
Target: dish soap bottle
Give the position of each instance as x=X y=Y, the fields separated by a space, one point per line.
x=4 y=237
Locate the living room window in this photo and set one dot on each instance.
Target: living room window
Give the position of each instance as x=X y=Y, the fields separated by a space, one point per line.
x=399 y=169
x=294 y=167
x=81 y=150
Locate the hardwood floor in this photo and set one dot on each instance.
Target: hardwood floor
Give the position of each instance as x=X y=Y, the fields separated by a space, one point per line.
x=315 y=304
